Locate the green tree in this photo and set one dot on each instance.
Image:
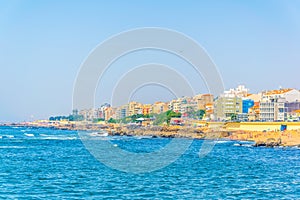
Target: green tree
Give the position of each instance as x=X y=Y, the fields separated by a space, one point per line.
x=98 y=120
x=160 y=118
x=75 y=117
x=233 y=117
x=111 y=120
x=200 y=114
x=172 y=114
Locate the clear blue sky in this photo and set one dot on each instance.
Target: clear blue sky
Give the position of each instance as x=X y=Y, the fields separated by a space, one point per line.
x=43 y=43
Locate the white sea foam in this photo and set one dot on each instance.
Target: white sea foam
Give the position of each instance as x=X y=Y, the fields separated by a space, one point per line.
x=295 y=147
x=58 y=138
x=242 y=144
x=12 y=147
x=29 y=134
x=246 y=142
x=222 y=141
x=98 y=134
x=8 y=136
x=104 y=134
x=142 y=137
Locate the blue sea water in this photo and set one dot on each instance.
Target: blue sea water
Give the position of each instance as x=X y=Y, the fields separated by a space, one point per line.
x=54 y=164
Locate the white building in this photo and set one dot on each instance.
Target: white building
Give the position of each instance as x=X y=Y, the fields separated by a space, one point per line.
x=88 y=114
x=240 y=91
x=122 y=111
x=272 y=109
x=290 y=95
x=276 y=104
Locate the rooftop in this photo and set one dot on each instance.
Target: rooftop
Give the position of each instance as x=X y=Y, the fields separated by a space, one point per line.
x=281 y=91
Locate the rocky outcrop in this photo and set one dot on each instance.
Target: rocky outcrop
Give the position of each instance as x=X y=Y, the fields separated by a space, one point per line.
x=271 y=142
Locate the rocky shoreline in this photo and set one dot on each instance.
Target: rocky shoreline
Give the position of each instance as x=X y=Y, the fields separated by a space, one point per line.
x=265 y=139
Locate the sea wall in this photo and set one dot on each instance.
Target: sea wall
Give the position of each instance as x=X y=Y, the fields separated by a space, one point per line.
x=261 y=126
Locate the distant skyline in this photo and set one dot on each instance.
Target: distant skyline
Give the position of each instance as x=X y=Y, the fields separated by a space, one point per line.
x=43 y=44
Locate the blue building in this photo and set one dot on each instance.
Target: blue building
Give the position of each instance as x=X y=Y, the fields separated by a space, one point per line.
x=247 y=103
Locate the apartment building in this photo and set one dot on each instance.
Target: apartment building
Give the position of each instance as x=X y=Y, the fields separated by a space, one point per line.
x=226 y=106
x=203 y=100
x=290 y=95
x=146 y=109
x=272 y=109
x=159 y=107
x=122 y=111
x=275 y=105
x=110 y=113
x=135 y=108
x=88 y=114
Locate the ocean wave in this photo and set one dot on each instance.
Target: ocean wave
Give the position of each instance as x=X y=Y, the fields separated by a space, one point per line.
x=246 y=142
x=143 y=137
x=12 y=147
x=58 y=138
x=242 y=144
x=7 y=136
x=29 y=134
x=223 y=141
x=98 y=134
x=237 y=144
x=296 y=147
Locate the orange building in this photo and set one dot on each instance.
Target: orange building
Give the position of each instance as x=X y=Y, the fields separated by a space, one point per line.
x=146 y=109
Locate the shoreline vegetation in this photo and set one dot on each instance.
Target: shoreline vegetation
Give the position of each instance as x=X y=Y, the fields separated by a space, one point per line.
x=220 y=131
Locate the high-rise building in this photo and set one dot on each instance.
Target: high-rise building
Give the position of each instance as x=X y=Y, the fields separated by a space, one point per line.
x=122 y=111
x=227 y=106
x=272 y=109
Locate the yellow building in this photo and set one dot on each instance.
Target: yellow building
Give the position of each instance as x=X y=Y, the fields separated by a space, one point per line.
x=159 y=107
x=135 y=108
x=227 y=106
x=204 y=99
x=109 y=112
